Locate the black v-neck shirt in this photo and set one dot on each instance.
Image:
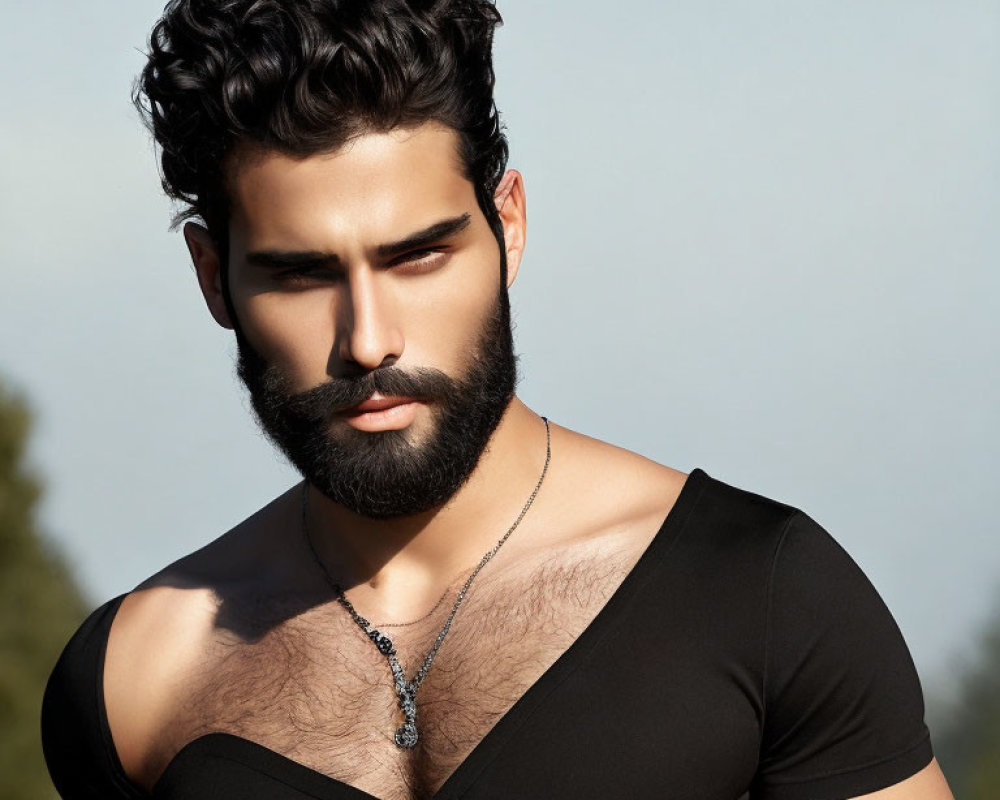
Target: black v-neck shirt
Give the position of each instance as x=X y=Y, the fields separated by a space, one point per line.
x=745 y=654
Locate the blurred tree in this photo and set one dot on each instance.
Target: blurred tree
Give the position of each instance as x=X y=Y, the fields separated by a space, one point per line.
x=968 y=745
x=40 y=607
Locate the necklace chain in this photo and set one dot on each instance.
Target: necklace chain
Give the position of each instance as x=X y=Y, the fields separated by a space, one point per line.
x=406 y=690
x=412 y=622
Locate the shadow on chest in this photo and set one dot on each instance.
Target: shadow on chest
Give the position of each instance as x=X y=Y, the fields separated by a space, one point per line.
x=317 y=691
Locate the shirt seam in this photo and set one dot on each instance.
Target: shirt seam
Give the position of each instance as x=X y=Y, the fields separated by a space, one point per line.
x=769 y=605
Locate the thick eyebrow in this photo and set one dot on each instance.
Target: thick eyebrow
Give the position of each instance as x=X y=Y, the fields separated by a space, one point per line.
x=292 y=259
x=429 y=235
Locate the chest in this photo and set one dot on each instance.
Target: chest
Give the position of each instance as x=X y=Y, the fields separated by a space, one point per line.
x=316 y=690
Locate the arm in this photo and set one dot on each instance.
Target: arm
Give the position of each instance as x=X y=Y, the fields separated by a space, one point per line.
x=928 y=784
x=844 y=709
x=75 y=739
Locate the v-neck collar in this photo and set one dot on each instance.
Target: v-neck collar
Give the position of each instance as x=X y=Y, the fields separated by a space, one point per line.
x=311 y=782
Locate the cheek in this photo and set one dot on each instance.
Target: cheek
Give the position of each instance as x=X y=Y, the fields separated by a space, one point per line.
x=445 y=322
x=292 y=331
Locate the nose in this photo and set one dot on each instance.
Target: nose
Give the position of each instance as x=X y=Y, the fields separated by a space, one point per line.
x=368 y=333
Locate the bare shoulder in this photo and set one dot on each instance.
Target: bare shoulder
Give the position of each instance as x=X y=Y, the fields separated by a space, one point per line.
x=165 y=629
x=615 y=488
x=154 y=643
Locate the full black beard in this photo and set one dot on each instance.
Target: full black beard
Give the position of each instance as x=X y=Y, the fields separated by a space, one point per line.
x=386 y=474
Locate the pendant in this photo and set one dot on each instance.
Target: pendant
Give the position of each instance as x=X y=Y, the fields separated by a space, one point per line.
x=406 y=735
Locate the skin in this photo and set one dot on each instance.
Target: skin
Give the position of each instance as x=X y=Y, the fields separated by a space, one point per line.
x=412 y=309
x=372 y=312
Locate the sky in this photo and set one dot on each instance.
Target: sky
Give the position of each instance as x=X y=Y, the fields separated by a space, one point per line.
x=762 y=241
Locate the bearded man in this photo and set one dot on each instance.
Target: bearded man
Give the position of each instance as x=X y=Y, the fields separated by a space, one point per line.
x=461 y=599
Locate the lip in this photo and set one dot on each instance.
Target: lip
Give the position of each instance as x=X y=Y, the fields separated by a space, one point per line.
x=377 y=402
x=380 y=413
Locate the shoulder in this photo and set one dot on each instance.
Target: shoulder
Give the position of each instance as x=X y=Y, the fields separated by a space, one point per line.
x=840 y=701
x=156 y=640
x=75 y=739
x=165 y=633
x=72 y=690
x=604 y=487
x=590 y=463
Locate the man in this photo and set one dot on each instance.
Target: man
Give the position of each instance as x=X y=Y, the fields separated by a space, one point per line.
x=461 y=598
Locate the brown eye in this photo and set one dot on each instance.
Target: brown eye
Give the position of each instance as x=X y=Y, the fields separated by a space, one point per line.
x=418 y=261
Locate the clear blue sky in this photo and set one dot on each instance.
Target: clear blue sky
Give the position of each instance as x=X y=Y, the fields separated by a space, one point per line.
x=763 y=240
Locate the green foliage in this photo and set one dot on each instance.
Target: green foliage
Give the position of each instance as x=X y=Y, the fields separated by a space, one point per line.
x=40 y=607
x=968 y=747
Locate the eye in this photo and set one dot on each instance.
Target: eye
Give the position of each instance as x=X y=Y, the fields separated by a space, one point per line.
x=306 y=275
x=419 y=261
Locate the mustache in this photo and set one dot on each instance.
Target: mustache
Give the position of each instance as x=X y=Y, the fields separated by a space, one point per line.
x=339 y=394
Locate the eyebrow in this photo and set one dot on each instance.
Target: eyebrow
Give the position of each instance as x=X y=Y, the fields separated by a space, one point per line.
x=285 y=259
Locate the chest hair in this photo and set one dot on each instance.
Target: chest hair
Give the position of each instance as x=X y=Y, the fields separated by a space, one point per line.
x=314 y=689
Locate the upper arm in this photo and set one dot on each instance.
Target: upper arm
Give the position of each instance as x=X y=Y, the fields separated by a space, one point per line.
x=75 y=740
x=928 y=784
x=152 y=649
x=843 y=713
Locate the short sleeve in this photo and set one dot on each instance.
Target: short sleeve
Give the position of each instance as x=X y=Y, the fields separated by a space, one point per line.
x=843 y=709
x=76 y=739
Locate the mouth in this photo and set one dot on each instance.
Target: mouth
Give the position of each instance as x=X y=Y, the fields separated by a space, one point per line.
x=382 y=413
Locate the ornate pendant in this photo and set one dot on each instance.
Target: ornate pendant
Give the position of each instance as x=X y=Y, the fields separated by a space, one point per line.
x=406 y=734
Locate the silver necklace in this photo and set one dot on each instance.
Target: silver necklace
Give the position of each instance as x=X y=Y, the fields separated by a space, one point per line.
x=406 y=690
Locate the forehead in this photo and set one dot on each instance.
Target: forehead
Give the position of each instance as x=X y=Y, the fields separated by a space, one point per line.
x=375 y=185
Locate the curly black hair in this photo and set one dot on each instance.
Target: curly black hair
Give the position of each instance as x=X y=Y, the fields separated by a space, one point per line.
x=304 y=77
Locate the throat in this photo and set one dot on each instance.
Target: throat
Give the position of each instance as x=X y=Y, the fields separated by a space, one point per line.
x=391 y=564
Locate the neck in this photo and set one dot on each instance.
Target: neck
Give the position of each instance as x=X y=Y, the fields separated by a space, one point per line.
x=399 y=565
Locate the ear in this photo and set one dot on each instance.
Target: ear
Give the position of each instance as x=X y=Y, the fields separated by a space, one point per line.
x=509 y=199
x=207 y=266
